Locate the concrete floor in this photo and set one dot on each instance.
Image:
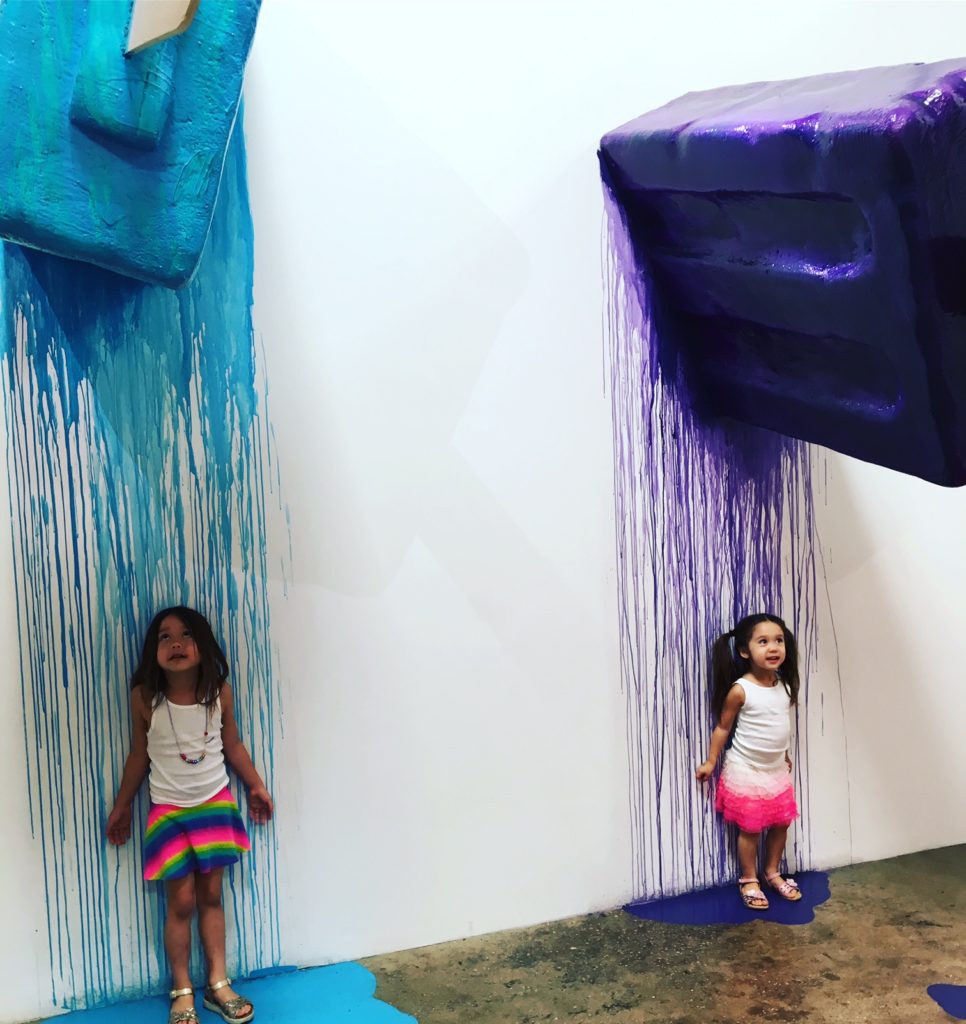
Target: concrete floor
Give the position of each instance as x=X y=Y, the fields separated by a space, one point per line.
x=890 y=929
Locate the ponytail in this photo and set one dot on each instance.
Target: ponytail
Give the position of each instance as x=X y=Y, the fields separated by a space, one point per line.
x=724 y=672
x=788 y=673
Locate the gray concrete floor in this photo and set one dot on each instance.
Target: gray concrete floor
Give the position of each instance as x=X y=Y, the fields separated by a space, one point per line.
x=890 y=929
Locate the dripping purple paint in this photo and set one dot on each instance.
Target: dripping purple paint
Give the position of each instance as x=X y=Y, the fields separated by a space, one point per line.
x=713 y=520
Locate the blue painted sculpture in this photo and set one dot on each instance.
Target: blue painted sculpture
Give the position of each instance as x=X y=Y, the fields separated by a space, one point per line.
x=110 y=159
x=802 y=245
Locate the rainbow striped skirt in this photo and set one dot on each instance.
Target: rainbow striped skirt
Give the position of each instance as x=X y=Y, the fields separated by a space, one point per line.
x=180 y=840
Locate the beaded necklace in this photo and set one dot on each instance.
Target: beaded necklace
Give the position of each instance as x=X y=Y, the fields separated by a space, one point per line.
x=184 y=757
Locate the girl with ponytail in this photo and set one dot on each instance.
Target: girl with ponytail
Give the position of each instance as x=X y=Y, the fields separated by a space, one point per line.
x=754 y=672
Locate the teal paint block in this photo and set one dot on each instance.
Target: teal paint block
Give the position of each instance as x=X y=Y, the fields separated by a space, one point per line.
x=126 y=99
x=116 y=160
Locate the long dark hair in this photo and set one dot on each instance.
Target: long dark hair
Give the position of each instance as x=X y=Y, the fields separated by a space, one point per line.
x=727 y=664
x=214 y=666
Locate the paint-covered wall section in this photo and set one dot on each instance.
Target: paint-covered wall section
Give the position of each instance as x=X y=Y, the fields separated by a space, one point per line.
x=714 y=520
x=139 y=475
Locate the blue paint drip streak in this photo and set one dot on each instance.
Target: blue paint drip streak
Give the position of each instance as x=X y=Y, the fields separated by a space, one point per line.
x=713 y=522
x=140 y=464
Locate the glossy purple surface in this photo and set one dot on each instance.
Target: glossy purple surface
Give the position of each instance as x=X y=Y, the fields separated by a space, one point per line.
x=805 y=248
x=952 y=998
x=723 y=905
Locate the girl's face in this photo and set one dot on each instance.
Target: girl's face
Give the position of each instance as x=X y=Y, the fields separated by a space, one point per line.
x=177 y=650
x=766 y=648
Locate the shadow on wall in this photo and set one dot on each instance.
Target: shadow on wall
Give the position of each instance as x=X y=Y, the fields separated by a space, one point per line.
x=415 y=282
x=893 y=699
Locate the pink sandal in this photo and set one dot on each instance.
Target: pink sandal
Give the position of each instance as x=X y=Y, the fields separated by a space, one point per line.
x=786 y=887
x=754 y=899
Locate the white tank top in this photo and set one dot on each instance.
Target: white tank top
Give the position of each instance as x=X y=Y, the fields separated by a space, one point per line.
x=764 y=726
x=172 y=780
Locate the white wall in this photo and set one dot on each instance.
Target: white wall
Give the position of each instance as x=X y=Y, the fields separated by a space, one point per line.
x=444 y=443
x=427 y=217
x=895 y=551
x=24 y=970
x=430 y=305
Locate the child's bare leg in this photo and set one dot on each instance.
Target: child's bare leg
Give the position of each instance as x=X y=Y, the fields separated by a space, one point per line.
x=180 y=898
x=748 y=853
x=774 y=848
x=211 y=928
x=211 y=922
x=748 y=860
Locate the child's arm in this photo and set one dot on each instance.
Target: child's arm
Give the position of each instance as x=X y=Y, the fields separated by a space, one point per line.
x=732 y=705
x=135 y=768
x=259 y=799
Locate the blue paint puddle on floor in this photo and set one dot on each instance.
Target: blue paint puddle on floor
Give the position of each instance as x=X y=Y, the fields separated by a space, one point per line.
x=952 y=998
x=724 y=906
x=340 y=994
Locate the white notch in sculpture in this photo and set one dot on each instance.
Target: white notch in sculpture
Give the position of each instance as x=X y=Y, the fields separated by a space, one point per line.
x=153 y=21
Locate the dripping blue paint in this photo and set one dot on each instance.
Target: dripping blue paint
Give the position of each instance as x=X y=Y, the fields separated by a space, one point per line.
x=340 y=994
x=139 y=474
x=952 y=998
x=722 y=905
x=714 y=520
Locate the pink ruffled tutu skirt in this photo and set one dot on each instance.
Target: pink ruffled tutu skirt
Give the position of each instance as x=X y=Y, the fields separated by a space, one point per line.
x=755 y=798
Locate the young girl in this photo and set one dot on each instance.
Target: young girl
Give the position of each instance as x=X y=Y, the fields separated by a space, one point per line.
x=757 y=685
x=183 y=732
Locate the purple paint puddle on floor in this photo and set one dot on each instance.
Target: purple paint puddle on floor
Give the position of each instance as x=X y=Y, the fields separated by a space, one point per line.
x=952 y=998
x=723 y=905
x=338 y=994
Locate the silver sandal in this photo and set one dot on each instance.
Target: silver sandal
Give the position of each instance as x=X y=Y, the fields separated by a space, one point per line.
x=230 y=1009
x=182 y=1016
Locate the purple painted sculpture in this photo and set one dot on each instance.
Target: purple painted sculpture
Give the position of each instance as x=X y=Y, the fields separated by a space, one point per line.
x=803 y=244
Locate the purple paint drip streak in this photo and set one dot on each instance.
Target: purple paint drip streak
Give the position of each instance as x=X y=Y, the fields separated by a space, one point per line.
x=713 y=521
